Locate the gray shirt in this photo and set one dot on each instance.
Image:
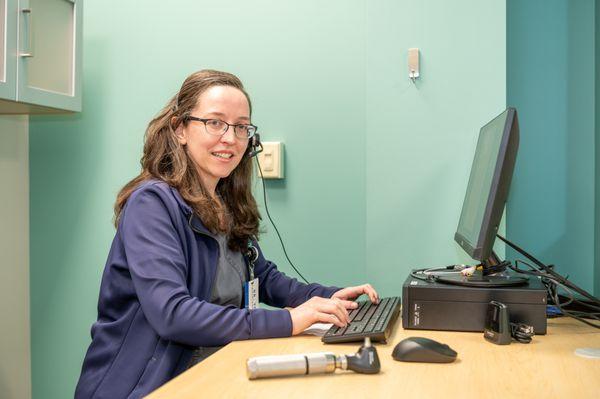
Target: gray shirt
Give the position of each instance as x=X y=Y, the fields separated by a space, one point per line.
x=232 y=273
x=228 y=288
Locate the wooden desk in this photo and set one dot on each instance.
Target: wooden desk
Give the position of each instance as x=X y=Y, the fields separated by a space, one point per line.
x=546 y=368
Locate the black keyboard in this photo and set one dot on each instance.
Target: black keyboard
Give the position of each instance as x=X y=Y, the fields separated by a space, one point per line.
x=368 y=320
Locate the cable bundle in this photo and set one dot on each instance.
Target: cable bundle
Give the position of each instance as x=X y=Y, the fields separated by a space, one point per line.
x=521 y=332
x=553 y=282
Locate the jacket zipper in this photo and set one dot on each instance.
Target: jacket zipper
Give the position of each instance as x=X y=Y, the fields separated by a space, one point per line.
x=249 y=265
x=212 y=284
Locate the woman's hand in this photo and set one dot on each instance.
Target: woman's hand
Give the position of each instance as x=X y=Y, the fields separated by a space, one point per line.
x=320 y=310
x=351 y=293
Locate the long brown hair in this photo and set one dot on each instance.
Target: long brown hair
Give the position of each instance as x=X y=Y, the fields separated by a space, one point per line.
x=164 y=158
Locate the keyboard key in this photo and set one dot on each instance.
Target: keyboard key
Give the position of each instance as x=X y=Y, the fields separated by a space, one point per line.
x=376 y=323
x=355 y=328
x=361 y=313
x=369 y=314
x=352 y=314
x=380 y=308
x=382 y=321
x=339 y=331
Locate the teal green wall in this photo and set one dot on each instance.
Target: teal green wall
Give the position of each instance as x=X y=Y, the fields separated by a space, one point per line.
x=376 y=167
x=597 y=148
x=551 y=70
x=15 y=349
x=421 y=138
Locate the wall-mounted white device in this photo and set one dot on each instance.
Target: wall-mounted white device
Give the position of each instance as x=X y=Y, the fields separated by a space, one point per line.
x=271 y=160
x=413 y=64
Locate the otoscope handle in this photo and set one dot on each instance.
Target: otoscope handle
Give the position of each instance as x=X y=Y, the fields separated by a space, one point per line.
x=275 y=366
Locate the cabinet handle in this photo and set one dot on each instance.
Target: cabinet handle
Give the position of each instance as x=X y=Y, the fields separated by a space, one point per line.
x=29 y=53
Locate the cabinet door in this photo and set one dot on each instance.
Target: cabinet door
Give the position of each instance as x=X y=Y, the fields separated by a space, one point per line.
x=49 y=57
x=8 y=49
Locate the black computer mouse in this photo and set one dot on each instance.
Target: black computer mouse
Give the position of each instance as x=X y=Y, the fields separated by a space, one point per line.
x=419 y=349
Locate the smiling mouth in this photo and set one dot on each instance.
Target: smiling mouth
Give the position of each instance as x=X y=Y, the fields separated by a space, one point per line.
x=223 y=155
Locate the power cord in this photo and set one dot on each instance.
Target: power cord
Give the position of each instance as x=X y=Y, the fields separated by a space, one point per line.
x=553 y=284
x=431 y=274
x=553 y=281
x=521 y=332
x=273 y=223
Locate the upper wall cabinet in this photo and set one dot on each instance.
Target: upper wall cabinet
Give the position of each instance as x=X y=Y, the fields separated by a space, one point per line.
x=40 y=57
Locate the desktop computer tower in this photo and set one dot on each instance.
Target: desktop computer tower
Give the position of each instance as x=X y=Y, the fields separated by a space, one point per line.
x=437 y=306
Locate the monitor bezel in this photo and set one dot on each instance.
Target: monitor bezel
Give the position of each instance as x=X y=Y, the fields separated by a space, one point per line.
x=498 y=194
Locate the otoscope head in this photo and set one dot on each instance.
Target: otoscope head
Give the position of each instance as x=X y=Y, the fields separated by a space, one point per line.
x=365 y=361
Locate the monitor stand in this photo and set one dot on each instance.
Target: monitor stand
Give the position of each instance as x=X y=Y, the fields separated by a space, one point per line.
x=494 y=274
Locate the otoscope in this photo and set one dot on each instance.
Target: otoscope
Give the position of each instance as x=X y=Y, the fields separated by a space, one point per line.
x=365 y=361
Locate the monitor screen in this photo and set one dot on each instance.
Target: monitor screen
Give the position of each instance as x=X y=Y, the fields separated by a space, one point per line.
x=488 y=185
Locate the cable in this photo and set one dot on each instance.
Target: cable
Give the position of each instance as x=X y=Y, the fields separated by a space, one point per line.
x=553 y=281
x=521 y=332
x=273 y=223
x=551 y=272
x=431 y=274
x=552 y=284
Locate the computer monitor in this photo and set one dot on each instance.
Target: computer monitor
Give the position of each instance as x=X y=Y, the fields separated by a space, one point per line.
x=487 y=192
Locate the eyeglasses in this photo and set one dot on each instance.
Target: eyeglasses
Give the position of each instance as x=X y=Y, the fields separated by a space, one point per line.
x=217 y=127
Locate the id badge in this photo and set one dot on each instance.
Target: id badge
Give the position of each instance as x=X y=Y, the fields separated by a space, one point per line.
x=251 y=294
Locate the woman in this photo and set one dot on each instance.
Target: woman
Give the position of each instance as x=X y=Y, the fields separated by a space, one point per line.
x=172 y=289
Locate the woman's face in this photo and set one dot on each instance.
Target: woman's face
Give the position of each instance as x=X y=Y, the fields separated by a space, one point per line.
x=216 y=156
